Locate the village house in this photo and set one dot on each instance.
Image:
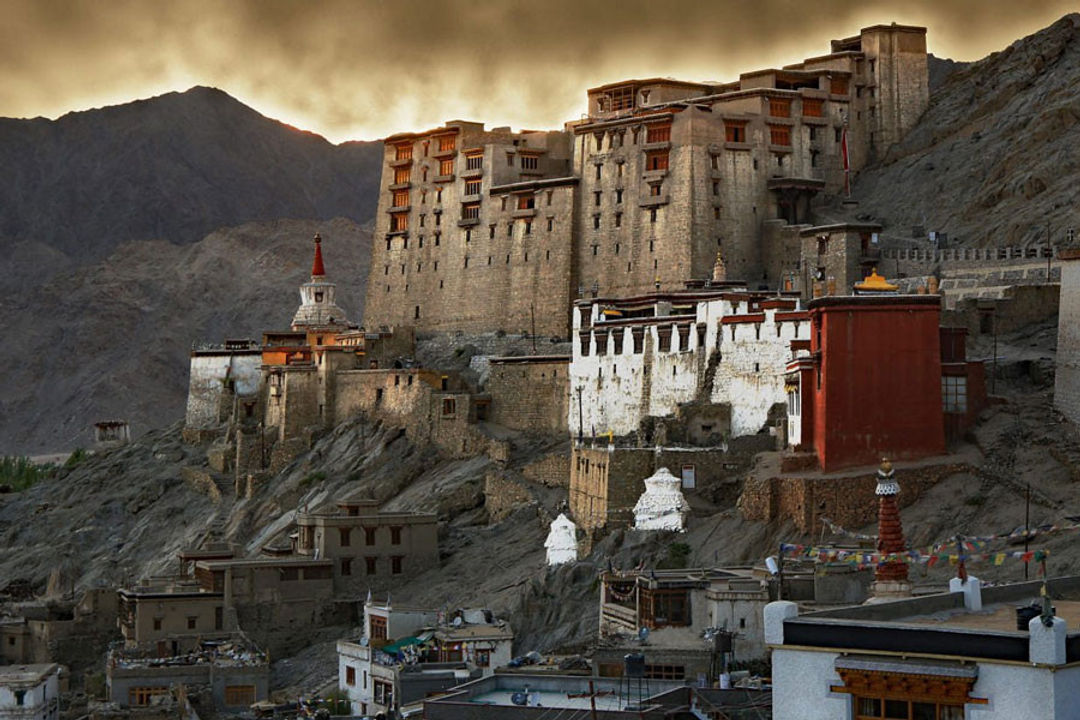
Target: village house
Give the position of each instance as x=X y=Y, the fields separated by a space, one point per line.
x=170 y=617
x=656 y=179
x=235 y=671
x=406 y=654
x=368 y=549
x=974 y=651
x=1067 y=370
x=526 y=696
x=30 y=692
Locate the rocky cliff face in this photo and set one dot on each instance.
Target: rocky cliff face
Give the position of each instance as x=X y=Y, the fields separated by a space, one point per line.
x=994 y=158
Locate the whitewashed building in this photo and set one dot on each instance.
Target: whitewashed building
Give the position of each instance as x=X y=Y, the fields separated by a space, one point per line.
x=994 y=653
x=30 y=692
x=408 y=653
x=646 y=356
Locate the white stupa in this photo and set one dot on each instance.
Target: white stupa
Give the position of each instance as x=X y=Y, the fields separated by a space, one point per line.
x=561 y=541
x=662 y=505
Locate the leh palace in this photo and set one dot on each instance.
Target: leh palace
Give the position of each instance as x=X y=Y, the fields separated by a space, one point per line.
x=663 y=322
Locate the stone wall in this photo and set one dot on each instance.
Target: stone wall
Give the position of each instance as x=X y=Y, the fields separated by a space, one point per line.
x=503 y=494
x=550 y=471
x=848 y=501
x=206 y=386
x=530 y=395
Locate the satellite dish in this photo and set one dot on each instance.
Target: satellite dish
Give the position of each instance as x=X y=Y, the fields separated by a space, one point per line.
x=519 y=698
x=643 y=635
x=458 y=621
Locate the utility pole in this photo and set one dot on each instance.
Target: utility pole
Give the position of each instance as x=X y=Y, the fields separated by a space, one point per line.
x=532 y=315
x=1027 y=525
x=1049 y=254
x=580 y=418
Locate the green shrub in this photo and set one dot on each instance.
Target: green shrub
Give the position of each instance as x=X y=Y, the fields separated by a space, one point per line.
x=19 y=473
x=75 y=458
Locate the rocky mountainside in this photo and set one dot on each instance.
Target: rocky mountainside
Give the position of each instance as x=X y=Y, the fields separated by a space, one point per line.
x=994 y=158
x=110 y=339
x=174 y=167
x=129 y=232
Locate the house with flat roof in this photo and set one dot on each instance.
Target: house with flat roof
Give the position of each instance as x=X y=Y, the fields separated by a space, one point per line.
x=974 y=652
x=30 y=692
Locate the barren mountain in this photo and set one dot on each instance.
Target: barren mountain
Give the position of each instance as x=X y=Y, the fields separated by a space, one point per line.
x=994 y=158
x=174 y=167
x=110 y=339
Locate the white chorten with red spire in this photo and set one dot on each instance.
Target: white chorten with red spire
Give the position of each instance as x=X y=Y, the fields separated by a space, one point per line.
x=317 y=306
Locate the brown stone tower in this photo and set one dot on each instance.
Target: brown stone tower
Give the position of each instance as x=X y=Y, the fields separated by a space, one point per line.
x=891 y=578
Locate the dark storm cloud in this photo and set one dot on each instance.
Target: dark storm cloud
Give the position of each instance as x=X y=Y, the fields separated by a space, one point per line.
x=364 y=69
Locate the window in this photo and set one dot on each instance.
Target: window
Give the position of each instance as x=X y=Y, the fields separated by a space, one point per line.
x=403 y=152
x=377 y=626
x=446 y=167
x=474 y=162
x=655 y=189
x=954 y=393
x=395 y=564
x=383 y=692
x=344 y=533
x=395 y=535
x=401 y=198
x=599 y=171
x=157 y=623
x=618 y=195
x=438 y=217
x=528 y=231
x=665 y=672
x=141 y=696
x=470 y=211
x=662 y=608
x=528 y=162
x=239 y=695
x=714 y=161
x=350 y=675
x=780 y=135
x=779 y=107
x=652 y=215
x=369 y=533
x=219 y=617
x=715 y=188
x=621 y=98
x=658 y=133
x=447 y=143
x=346 y=566
x=813 y=107
x=550 y=224
x=867 y=708
x=735 y=131
x=472 y=187
x=597 y=196
x=401 y=175
x=596 y=222
x=399 y=222
x=526 y=202
x=656 y=160
x=191 y=621
x=482 y=658
x=510 y=159
x=369 y=563
x=449 y=407
x=491 y=232
x=838 y=86
x=618 y=219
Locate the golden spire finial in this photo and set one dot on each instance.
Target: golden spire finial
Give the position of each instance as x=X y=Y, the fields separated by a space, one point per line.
x=875 y=283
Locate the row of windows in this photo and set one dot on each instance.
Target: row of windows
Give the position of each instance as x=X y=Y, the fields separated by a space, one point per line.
x=469 y=213
x=397 y=562
x=345 y=534
x=435 y=268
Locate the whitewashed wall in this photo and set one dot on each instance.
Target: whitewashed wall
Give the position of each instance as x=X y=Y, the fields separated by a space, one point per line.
x=204 y=385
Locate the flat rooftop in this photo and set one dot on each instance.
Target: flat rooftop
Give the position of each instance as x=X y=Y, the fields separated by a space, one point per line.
x=25 y=674
x=997 y=617
x=607 y=699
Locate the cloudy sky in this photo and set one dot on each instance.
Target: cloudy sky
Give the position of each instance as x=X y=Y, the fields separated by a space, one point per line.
x=361 y=69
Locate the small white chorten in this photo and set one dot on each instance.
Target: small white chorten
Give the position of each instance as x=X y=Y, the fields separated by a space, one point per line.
x=561 y=541
x=662 y=505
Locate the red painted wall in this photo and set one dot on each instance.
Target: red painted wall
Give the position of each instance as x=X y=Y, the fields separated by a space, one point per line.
x=878 y=392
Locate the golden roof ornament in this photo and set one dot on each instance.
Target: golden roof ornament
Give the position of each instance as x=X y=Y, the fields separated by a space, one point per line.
x=875 y=283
